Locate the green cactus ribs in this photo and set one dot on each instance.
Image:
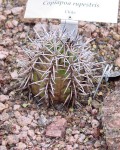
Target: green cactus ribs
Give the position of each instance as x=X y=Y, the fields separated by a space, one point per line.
x=58 y=69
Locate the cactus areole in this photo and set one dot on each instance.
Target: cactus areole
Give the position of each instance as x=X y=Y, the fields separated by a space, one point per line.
x=58 y=69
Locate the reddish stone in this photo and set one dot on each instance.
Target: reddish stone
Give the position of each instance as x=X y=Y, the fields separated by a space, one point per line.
x=57 y=128
x=113 y=144
x=111 y=118
x=94 y=35
x=91 y=27
x=95 y=132
x=94 y=112
x=115 y=121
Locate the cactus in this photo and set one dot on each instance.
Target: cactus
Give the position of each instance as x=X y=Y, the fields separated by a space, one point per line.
x=58 y=69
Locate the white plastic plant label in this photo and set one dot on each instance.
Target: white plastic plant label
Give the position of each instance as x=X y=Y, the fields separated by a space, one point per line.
x=85 y=10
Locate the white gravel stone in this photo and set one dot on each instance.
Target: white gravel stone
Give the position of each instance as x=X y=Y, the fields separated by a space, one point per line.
x=95 y=123
x=69 y=147
x=75 y=146
x=42 y=120
x=38 y=138
x=3 y=55
x=17 y=10
x=17 y=114
x=24 y=121
x=12 y=139
x=16 y=107
x=4 y=98
x=14 y=74
x=7 y=12
x=4 y=116
x=116 y=36
x=21 y=146
x=31 y=133
x=3 y=148
x=15 y=23
x=23 y=35
x=71 y=140
x=2 y=18
x=23 y=135
x=97 y=144
x=39 y=27
x=81 y=138
x=25 y=128
x=34 y=125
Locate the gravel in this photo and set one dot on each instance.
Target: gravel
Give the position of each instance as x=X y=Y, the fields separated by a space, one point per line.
x=27 y=127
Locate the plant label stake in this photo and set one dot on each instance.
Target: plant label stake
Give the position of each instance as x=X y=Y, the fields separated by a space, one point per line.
x=70 y=27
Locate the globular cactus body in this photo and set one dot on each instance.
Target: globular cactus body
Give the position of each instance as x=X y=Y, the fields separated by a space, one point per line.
x=59 y=68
